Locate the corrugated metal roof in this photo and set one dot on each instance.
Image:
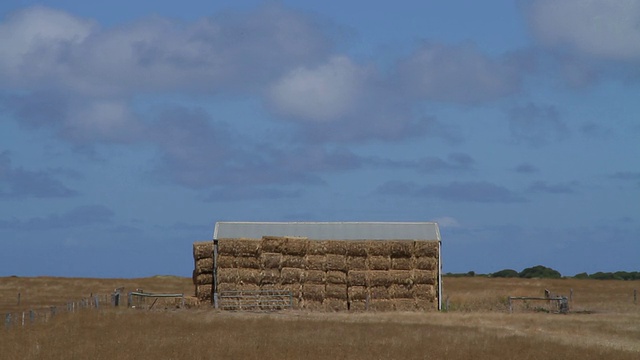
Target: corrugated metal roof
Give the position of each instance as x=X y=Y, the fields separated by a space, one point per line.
x=330 y=230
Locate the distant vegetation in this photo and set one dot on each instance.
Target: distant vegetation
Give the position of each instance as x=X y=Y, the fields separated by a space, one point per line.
x=543 y=272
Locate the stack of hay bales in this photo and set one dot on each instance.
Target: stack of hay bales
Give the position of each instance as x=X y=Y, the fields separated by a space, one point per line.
x=203 y=272
x=330 y=275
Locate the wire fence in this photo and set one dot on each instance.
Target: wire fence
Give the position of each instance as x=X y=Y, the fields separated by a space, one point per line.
x=30 y=317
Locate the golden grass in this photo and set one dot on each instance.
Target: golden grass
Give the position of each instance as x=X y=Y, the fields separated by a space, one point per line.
x=476 y=328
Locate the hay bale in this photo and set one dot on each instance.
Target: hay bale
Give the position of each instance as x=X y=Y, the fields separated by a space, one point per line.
x=249 y=276
x=357 y=293
x=269 y=276
x=404 y=304
x=426 y=248
x=426 y=305
x=378 y=262
x=204 y=266
x=247 y=262
x=295 y=290
x=424 y=292
x=336 y=277
x=426 y=263
x=222 y=287
x=204 y=279
x=272 y=244
x=336 y=291
x=226 y=261
x=313 y=292
x=317 y=247
x=378 y=248
x=202 y=249
x=401 y=263
x=379 y=292
x=296 y=246
x=291 y=275
x=226 y=247
x=398 y=291
x=357 y=278
x=401 y=248
x=314 y=277
x=379 y=278
x=358 y=305
x=298 y=262
x=315 y=262
x=248 y=287
x=356 y=263
x=270 y=260
x=357 y=247
x=335 y=305
x=204 y=292
x=380 y=305
x=336 y=247
x=428 y=277
x=247 y=247
x=312 y=305
x=403 y=277
x=336 y=262
x=227 y=275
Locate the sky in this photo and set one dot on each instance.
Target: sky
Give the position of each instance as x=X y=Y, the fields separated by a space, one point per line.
x=127 y=129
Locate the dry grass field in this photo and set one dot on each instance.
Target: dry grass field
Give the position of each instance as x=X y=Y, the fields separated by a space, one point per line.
x=605 y=324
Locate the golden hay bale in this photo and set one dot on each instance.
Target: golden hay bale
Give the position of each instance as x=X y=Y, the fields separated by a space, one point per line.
x=335 y=305
x=336 y=277
x=227 y=275
x=379 y=292
x=298 y=262
x=426 y=305
x=202 y=249
x=336 y=291
x=204 y=266
x=272 y=244
x=314 y=277
x=248 y=287
x=315 y=262
x=226 y=261
x=249 y=276
x=424 y=292
x=404 y=304
x=401 y=248
x=313 y=292
x=357 y=293
x=247 y=247
x=357 y=278
x=356 y=263
x=336 y=262
x=226 y=247
x=426 y=263
x=380 y=305
x=424 y=277
x=378 y=262
x=203 y=292
x=401 y=263
x=317 y=247
x=379 y=278
x=426 y=248
x=399 y=291
x=204 y=279
x=247 y=262
x=378 y=248
x=358 y=305
x=294 y=289
x=312 y=305
x=296 y=246
x=270 y=260
x=403 y=277
x=269 y=276
x=222 y=287
x=291 y=275
x=336 y=247
x=357 y=247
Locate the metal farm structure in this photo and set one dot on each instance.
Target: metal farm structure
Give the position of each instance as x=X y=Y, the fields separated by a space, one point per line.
x=321 y=266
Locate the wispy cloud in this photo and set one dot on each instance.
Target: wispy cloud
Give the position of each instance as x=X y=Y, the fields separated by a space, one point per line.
x=18 y=183
x=479 y=192
x=560 y=188
x=536 y=125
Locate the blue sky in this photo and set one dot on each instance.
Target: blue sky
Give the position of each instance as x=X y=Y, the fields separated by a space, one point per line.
x=127 y=129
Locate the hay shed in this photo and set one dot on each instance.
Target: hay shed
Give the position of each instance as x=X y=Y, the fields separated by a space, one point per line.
x=300 y=249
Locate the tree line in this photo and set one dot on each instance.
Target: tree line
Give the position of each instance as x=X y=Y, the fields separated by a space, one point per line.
x=543 y=272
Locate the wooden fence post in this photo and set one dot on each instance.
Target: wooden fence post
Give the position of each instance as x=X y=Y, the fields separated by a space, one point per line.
x=635 y=296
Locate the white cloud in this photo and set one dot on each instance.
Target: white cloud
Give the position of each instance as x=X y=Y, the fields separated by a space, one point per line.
x=600 y=28
x=325 y=93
